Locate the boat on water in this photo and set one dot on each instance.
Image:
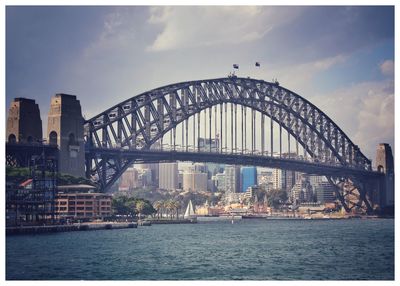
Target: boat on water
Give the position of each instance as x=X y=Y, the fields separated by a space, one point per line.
x=190 y=212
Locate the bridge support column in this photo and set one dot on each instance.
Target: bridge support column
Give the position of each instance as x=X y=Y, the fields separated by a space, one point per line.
x=65 y=129
x=384 y=163
x=358 y=195
x=23 y=123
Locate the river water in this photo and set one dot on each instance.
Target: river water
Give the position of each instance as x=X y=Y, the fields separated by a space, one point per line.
x=246 y=250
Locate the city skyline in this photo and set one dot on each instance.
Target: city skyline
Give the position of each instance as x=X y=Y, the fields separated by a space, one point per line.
x=115 y=53
x=170 y=143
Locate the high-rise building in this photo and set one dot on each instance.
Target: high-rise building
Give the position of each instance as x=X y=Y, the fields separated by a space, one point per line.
x=168 y=176
x=264 y=177
x=277 y=178
x=154 y=169
x=219 y=180
x=198 y=167
x=284 y=179
x=315 y=180
x=289 y=178
x=145 y=178
x=194 y=181
x=325 y=192
x=248 y=177
x=211 y=186
x=232 y=178
x=301 y=191
x=180 y=179
x=129 y=180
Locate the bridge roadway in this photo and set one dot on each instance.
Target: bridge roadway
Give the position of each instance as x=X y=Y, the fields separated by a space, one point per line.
x=314 y=168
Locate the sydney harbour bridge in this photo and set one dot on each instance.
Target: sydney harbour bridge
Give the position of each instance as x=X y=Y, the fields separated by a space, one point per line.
x=256 y=123
x=245 y=122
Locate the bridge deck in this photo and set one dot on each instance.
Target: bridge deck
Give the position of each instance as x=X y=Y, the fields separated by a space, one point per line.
x=147 y=156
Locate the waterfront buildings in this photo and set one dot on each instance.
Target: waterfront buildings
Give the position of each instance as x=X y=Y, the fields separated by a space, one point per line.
x=277 y=178
x=136 y=177
x=219 y=180
x=168 y=176
x=232 y=178
x=302 y=191
x=264 y=177
x=194 y=181
x=284 y=179
x=77 y=202
x=129 y=180
x=151 y=173
x=207 y=210
x=325 y=192
x=248 y=177
x=230 y=198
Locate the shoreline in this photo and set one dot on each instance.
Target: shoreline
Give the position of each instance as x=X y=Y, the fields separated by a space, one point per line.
x=38 y=229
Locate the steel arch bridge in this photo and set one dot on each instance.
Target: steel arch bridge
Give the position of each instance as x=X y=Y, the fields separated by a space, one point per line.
x=277 y=128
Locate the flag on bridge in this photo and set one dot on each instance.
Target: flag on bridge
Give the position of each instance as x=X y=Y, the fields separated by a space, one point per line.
x=235 y=66
x=257 y=64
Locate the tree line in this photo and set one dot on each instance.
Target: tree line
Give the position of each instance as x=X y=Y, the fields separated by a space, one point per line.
x=131 y=206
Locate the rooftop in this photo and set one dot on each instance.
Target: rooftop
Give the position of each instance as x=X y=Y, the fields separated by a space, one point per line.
x=76 y=187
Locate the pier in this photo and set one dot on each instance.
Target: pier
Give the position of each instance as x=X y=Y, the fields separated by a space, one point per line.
x=70 y=227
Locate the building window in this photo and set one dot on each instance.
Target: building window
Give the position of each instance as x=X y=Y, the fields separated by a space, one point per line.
x=12 y=138
x=53 y=138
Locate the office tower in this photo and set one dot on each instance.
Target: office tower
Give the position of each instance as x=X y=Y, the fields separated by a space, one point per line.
x=248 y=177
x=168 y=176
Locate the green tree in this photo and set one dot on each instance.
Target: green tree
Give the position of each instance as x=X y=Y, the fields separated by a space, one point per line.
x=158 y=206
x=170 y=206
x=140 y=205
x=123 y=205
x=276 y=197
x=177 y=206
x=148 y=208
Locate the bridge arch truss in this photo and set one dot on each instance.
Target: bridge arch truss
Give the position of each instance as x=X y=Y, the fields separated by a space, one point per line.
x=143 y=122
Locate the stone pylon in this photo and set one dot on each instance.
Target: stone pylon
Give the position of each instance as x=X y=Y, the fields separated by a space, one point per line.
x=23 y=123
x=65 y=129
x=384 y=163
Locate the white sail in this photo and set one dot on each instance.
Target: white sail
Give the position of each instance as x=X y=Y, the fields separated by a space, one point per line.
x=189 y=210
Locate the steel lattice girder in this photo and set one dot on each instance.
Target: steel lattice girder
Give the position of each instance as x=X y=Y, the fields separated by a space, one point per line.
x=141 y=120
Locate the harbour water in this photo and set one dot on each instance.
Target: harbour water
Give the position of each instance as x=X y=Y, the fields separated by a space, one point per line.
x=255 y=249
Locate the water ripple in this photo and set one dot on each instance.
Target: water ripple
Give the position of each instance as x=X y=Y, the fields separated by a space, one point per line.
x=246 y=250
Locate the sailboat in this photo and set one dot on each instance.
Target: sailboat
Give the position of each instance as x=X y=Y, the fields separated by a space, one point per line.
x=189 y=213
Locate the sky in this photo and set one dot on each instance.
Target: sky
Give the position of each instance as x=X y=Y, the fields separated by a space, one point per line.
x=340 y=58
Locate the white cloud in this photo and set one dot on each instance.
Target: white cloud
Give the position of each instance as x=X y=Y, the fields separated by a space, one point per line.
x=387 y=68
x=364 y=111
x=111 y=24
x=299 y=78
x=117 y=32
x=184 y=27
